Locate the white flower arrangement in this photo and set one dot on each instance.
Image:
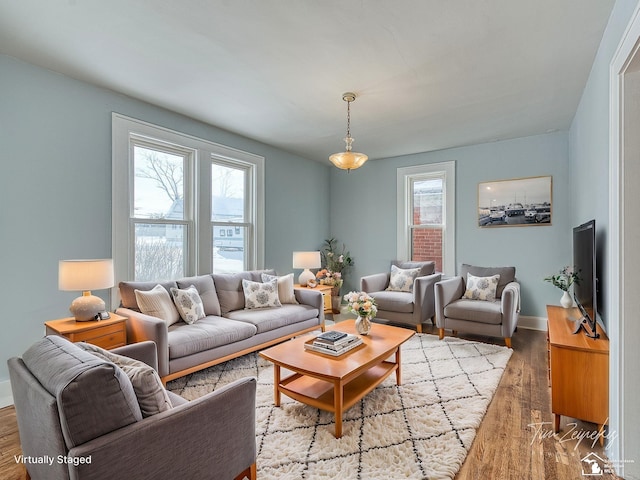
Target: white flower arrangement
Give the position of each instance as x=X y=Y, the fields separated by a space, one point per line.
x=362 y=304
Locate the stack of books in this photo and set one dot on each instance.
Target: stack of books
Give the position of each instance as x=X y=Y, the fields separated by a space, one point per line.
x=333 y=343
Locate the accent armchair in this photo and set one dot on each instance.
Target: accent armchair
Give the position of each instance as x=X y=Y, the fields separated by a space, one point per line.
x=409 y=302
x=84 y=415
x=462 y=303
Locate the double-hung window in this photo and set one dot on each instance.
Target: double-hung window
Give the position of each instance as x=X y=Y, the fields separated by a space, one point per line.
x=425 y=206
x=182 y=205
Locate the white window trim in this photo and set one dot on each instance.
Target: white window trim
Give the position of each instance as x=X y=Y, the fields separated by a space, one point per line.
x=404 y=193
x=122 y=184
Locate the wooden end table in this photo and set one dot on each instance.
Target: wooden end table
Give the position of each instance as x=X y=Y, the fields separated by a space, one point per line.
x=335 y=384
x=109 y=333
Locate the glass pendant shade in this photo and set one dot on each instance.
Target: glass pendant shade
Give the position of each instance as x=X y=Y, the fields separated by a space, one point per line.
x=348 y=160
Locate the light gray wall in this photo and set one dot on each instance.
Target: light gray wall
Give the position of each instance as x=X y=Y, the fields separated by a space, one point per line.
x=363 y=213
x=55 y=191
x=589 y=167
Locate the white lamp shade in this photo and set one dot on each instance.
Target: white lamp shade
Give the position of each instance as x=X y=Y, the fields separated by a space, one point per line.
x=306 y=260
x=84 y=275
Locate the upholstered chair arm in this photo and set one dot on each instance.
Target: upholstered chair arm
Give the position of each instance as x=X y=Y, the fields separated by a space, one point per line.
x=510 y=306
x=424 y=295
x=141 y=327
x=313 y=298
x=446 y=291
x=374 y=283
x=144 y=351
x=210 y=437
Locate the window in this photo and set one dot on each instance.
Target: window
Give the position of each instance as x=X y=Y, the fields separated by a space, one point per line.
x=426 y=206
x=177 y=201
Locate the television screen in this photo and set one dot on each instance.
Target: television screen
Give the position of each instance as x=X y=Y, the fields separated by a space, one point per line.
x=584 y=262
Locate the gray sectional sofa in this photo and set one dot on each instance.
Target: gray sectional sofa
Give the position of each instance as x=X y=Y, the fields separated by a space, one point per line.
x=227 y=331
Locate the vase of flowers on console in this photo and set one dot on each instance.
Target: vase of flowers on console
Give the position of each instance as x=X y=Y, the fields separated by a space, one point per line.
x=364 y=306
x=563 y=280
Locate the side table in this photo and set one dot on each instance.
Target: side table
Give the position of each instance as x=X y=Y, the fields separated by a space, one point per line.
x=326 y=293
x=109 y=333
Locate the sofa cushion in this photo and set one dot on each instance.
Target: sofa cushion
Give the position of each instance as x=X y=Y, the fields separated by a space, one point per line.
x=128 y=296
x=151 y=394
x=474 y=311
x=157 y=303
x=481 y=288
x=426 y=268
x=394 y=301
x=266 y=319
x=401 y=280
x=94 y=396
x=207 y=291
x=205 y=334
x=286 y=293
x=188 y=303
x=229 y=288
x=260 y=295
x=507 y=275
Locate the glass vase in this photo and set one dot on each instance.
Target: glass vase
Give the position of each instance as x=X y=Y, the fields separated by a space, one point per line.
x=363 y=325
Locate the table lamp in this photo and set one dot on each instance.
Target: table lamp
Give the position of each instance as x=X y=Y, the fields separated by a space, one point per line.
x=84 y=276
x=306 y=260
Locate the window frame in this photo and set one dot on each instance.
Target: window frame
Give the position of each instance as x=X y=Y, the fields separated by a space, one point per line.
x=197 y=177
x=405 y=177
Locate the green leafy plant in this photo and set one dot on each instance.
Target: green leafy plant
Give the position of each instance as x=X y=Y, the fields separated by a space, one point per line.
x=565 y=278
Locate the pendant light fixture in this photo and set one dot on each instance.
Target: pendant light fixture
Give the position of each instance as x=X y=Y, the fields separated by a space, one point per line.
x=348 y=160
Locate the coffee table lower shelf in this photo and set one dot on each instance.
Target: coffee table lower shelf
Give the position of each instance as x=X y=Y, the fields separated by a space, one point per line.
x=335 y=397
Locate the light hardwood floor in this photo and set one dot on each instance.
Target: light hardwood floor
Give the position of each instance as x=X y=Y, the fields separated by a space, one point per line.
x=506 y=445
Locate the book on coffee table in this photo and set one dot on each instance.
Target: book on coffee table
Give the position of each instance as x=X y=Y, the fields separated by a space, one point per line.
x=332 y=337
x=334 y=350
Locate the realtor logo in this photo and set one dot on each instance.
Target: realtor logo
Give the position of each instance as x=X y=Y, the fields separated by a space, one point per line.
x=592 y=465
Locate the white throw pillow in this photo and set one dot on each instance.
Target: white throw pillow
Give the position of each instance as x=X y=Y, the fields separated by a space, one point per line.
x=157 y=303
x=151 y=394
x=286 y=293
x=481 y=288
x=401 y=279
x=260 y=295
x=188 y=303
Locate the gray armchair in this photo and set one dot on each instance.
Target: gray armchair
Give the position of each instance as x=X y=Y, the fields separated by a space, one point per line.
x=410 y=308
x=79 y=412
x=497 y=318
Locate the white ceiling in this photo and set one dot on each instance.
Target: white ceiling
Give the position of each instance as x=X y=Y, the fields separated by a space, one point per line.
x=429 y=74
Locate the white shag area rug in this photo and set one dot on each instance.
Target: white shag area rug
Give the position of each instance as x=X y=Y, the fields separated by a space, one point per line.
x=422 y=429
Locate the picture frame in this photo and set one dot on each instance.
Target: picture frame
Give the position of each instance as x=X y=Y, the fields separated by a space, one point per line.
x=515 y=202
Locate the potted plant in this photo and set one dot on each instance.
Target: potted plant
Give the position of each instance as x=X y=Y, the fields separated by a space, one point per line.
x=336 y=261
x=563 y=280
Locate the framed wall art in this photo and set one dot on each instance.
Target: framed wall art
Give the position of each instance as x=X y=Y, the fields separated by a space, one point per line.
x=515 y=203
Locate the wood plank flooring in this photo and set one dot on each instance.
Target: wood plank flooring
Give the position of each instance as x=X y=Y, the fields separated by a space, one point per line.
x=506 y=445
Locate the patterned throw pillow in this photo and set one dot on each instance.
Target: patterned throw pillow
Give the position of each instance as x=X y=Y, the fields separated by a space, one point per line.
x=285 y=287
x=157 y=303
x=481 y=288
x=260 y=295
x=189 y=304
x=401 y=279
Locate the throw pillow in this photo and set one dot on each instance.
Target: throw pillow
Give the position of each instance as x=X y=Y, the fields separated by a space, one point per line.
x=157 y=303
x=189 y=304
x=481 y=288
x=286 y=293
x=260 y=295
x=151 y=394
x=401 y=279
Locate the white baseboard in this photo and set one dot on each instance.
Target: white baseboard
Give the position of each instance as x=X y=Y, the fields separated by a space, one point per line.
x=6 y=397
x=533 y=323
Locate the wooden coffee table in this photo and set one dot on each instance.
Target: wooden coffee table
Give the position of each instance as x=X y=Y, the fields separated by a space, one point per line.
x=335 y=384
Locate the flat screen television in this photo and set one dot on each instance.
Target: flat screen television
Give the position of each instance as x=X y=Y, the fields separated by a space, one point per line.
x=585 y=289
